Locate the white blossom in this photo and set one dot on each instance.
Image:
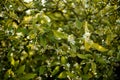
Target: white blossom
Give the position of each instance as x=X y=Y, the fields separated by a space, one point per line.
x=71 y=39
x=19 y=34
x=27 y=1
x=68 y=65
x=86 y=35
x=43 y=2
x=28 y=12
x=60 y=29
x=82 y=47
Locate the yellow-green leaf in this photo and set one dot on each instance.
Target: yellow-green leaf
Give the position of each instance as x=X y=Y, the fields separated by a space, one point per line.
x=60 y=34
x=87 y=45
x=82 y=56
x=62 y=75
x=63 y=60
x=12 y=61
x=8 y=74
x=93 y=66
x=99 y=47
x=55 y=70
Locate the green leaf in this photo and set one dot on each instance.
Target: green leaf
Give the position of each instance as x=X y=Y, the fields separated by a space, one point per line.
x=78 y=24
x=99 y=47
x=70 y=74
x=72 y=54
x=82 y=56
x=42 y=69
x=62 y=75
x=86 y=76
x=60 y=34
x=63 y=60
x=20 y=69
x=8 y=73
x=93 y=66
x=101 y=60
x=12 y=60
x=86 y=68
x=2 y=35
x=27 y=76
x=43 y=41
x=109 y=38
x=23 y=30
x=55 y=70
x=87 y=45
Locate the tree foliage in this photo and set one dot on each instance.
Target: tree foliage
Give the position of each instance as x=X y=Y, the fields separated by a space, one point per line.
x=59 y=39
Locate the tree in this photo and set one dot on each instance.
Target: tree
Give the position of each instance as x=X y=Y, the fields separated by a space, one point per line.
x=59 y=39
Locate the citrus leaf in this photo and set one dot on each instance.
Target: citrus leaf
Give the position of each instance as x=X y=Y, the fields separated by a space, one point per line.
x=82 y=56
x=12 y=61
x=87 y=45
x=55 y=70
x=93 y=66
x=59 y=34
x=42 y=70
x=99 y=47
x=109 y=38
x=78 y=24
x=62 y=75
x=20 y=69
x=63 y=60
x=28 y=76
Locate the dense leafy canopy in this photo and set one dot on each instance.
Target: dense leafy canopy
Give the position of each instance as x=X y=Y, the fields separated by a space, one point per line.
x=59 y=39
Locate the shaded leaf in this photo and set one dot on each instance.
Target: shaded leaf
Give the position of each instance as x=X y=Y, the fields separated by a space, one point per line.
x=27 y=76
x=86 y=68
x=20 y=69
x=42 y=69
x=109 y=38
x=78 y=24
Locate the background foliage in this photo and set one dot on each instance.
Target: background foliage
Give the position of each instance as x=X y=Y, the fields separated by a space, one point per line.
x=59 y=39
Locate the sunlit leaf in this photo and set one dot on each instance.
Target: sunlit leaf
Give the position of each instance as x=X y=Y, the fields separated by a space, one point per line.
x=12 y=61
x=27 y=19
x=87 y=45
x=70 y=74
x=63 y=60
x=99 y=47
x=9 y=73
x=82 y=56
x=60 y=34
x=55 y=71
x=59 y=39
x=62 y=75
x=94 y=67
